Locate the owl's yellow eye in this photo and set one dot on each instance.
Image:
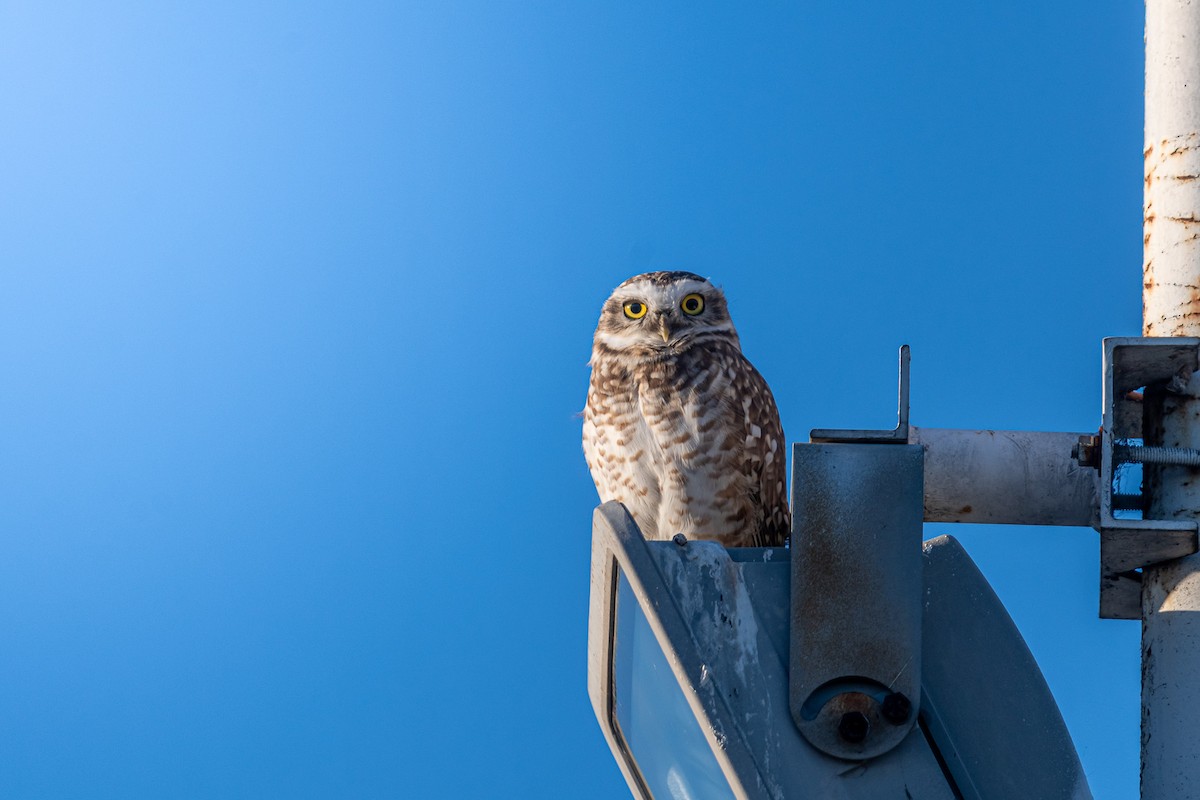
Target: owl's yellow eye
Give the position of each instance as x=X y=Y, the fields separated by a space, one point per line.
x=692 y=305
x=635 y=309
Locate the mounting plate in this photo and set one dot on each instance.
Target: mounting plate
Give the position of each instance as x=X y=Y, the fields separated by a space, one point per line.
x=1126 y=545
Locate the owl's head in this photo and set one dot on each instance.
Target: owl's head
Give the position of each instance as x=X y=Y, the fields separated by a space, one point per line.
x=662 y=312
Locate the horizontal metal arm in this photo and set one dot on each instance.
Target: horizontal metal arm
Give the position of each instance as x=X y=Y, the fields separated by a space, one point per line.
x=1006 y=477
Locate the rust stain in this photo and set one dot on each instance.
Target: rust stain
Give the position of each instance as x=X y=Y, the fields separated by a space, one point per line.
x=851 y=701
x=1187 y=144
x=1190 y=219
x=834 y=567
x=965 y=510
x=1185 y=177
x=833 y=564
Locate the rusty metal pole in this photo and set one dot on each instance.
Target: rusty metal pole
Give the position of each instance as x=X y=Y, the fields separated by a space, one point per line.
x=1171 y=307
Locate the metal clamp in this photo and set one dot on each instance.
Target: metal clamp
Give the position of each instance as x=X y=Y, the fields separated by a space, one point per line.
x=1127 y=545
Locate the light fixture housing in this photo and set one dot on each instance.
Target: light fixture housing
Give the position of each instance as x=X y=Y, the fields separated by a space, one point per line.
x=688 y=654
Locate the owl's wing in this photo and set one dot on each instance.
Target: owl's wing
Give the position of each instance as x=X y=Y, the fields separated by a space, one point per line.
x=766 y=457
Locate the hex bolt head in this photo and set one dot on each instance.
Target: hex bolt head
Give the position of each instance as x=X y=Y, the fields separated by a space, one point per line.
x=896 y=708
x=854 y=727
x=679 y=539
x=1087 y=451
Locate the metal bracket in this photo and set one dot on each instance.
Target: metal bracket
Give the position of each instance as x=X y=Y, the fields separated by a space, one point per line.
x=856 y=436
x=855 y=684
x=1127 y=545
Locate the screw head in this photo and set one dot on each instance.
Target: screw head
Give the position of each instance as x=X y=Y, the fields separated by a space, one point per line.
x=679 y=539
x=854 y=727
x=896 y=708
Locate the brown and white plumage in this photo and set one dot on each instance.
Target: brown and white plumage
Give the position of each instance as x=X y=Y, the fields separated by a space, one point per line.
x=679 y=426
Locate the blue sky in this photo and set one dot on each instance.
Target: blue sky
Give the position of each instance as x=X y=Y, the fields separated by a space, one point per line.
x=296 y=301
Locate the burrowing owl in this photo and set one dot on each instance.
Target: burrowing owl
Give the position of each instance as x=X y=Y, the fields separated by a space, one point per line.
x=679 y=426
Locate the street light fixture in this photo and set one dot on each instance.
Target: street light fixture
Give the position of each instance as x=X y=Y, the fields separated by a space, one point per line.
x=688 y=655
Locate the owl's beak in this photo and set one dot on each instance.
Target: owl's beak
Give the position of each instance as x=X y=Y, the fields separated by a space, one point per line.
x=664 y=330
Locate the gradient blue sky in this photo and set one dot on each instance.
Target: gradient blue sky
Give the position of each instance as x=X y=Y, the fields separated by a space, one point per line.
x=296 y=301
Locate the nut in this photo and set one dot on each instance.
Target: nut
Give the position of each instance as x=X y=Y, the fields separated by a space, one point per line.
x=896 y=708
x=854 y=727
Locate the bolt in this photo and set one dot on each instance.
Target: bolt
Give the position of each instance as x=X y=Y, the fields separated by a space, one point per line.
x=896 y=708
x=854 y=727
x=1170 y=456
x=1087 y=452
x=679 y=539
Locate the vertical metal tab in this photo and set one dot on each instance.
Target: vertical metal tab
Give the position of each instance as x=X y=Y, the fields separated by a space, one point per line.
x=855 y=657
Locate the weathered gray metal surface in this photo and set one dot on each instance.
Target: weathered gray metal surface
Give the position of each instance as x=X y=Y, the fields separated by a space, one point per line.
x=731 y=659
x=618 y=545
x=1007 y=477
x=1171 y=194
x=1170 y=602
x=1171 y=682
x=856 y=592
x=987 y=713
x=1132 y=363
x=986 y=704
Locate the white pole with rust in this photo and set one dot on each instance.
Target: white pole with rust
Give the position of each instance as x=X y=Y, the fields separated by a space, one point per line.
x=1171 y=307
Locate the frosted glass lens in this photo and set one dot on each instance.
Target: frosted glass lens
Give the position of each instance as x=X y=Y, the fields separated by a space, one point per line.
x=658 y=726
